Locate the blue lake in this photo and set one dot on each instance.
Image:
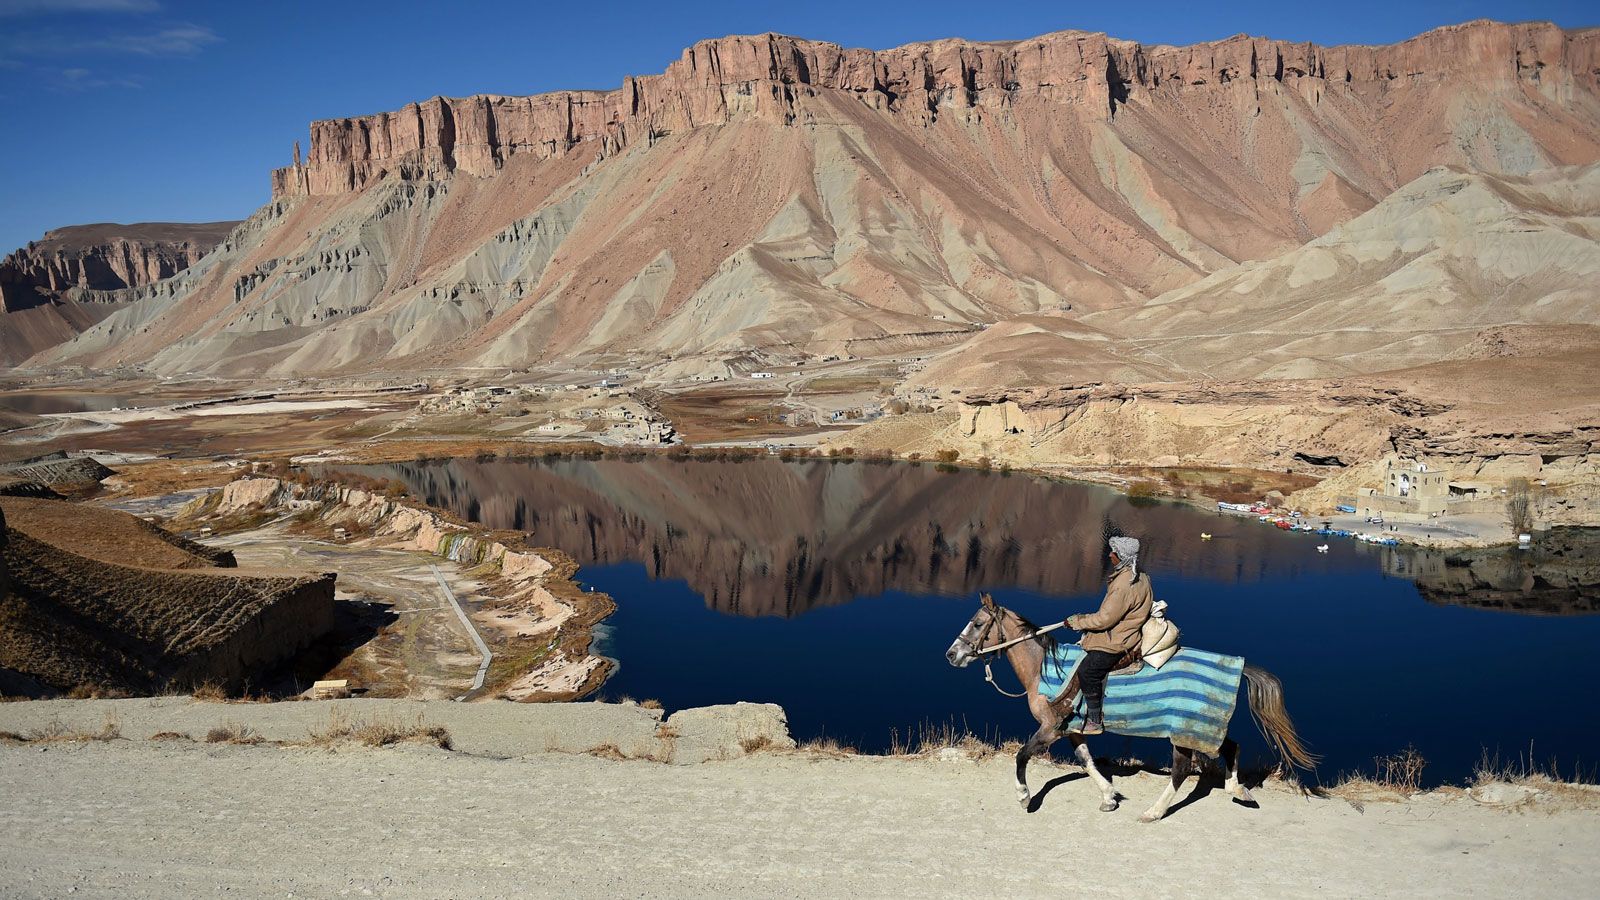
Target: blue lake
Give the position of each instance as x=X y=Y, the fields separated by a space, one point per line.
x=833 y=589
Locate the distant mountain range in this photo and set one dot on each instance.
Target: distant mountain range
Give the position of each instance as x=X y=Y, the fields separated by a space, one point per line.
x=72 y=277
x=1245 y=207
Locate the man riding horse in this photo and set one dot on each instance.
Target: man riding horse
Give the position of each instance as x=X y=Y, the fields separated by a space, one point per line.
x=1189 y=698
x=1113 y=631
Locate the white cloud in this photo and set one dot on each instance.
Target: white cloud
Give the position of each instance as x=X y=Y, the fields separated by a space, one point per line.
x=174 y=40
x=81 y=79
x=13 y=8
x=178 y=40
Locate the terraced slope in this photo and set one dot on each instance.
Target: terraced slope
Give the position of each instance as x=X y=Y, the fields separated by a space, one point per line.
x=100 y=598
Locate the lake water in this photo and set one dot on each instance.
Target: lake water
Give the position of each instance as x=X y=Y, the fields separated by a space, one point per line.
x=45 y=403
x=833 y=589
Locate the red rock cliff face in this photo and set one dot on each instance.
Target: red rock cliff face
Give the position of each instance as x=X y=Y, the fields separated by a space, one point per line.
x=771 y=77
x=103 y=257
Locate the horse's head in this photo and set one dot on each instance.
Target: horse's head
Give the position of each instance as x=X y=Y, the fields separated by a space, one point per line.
x=967 y=644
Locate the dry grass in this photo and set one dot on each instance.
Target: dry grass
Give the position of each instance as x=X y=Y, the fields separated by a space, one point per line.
x=1580 y=788
x=233 y=733
x=170 y=736
x=929 y=738
x=379 y=733
x=210 y=692
x=828 y=747
x=756 y=744
x=56 y=731
x=96 y=692
x=650 y=704
x=1396 y=777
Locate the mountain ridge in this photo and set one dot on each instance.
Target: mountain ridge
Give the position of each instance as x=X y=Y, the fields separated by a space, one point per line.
x=792 y=222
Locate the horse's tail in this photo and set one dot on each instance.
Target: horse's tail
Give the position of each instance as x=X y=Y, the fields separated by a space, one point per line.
x=1266 y=707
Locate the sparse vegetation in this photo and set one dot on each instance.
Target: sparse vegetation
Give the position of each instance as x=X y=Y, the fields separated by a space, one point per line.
x=1519 y=505
x=827 y=746
x=210 y=692
x=378 y=733
x=1396 y=777
x=56 y=731
x=756 y=744
x=1142 y=489
x=947 y=456
x=233 y=733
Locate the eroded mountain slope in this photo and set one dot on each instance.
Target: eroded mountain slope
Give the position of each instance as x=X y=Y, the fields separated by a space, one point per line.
x=787 y=197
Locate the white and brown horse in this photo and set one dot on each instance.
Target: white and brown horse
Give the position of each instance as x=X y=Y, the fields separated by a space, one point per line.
x=994 y=625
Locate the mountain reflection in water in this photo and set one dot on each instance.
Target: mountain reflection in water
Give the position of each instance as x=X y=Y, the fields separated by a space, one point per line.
x=764 y=537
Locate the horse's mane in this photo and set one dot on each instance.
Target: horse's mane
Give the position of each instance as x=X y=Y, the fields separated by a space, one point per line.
x=1048 y=640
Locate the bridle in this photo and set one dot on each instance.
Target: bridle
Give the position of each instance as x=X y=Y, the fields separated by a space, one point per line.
x=987 y=654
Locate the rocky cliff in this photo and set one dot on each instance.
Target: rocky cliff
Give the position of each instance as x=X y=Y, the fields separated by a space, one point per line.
x=779 y=199
x=68 y=280
x=104 y=257
x=768 y=76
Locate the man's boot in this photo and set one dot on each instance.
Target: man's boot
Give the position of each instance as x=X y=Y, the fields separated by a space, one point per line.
x=1094 y=722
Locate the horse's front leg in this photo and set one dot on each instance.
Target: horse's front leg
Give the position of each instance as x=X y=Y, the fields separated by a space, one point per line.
x=1041 y=741
x=1181 y=762
x=1108 y=797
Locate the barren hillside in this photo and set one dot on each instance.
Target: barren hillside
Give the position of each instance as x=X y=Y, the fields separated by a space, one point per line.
x=75 y=276
x=792 y=198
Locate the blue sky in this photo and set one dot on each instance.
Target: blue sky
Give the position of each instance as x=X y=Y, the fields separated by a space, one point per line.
x=163 y=110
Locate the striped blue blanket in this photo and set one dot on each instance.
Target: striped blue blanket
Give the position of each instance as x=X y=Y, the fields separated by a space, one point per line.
x=1190 y=699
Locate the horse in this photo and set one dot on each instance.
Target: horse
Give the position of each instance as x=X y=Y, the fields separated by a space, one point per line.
x=1026 y=656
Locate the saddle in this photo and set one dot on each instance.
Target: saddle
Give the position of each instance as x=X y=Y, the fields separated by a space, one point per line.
x=1129 y=663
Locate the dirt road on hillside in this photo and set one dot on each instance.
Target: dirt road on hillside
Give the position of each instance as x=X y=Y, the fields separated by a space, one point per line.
x=136 y=818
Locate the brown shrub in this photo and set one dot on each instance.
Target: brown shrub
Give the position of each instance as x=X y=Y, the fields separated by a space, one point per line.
x=756 y=744
x=1142 y=489
x=210 y=692
x=233 y=733
x=947 y=456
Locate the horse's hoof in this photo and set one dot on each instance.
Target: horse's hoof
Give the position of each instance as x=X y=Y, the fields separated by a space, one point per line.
x=1023 y=801
x=1147 y=818
x=1247 y=801
x=1109 y=807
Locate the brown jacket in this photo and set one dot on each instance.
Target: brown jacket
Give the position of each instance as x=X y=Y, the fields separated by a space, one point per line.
x=1114 y=628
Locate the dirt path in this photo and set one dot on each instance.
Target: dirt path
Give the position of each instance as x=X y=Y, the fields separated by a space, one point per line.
x=427 y=652
x=202 y=819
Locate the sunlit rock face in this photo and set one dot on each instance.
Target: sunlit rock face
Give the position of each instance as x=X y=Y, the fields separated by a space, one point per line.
x=767 y=194
x=75 y=276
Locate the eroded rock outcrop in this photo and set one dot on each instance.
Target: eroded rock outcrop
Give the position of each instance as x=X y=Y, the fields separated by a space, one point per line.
x=766 y=76
x=66 y=281
x=860 y=203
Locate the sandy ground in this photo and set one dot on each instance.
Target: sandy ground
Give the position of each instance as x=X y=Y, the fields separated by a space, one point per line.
x=153 y=414
x=204 y=820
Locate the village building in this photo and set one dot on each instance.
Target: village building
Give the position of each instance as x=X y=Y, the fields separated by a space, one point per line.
x=1413 y=490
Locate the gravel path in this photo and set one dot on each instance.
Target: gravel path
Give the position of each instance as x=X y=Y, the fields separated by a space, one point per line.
x=135 y=818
